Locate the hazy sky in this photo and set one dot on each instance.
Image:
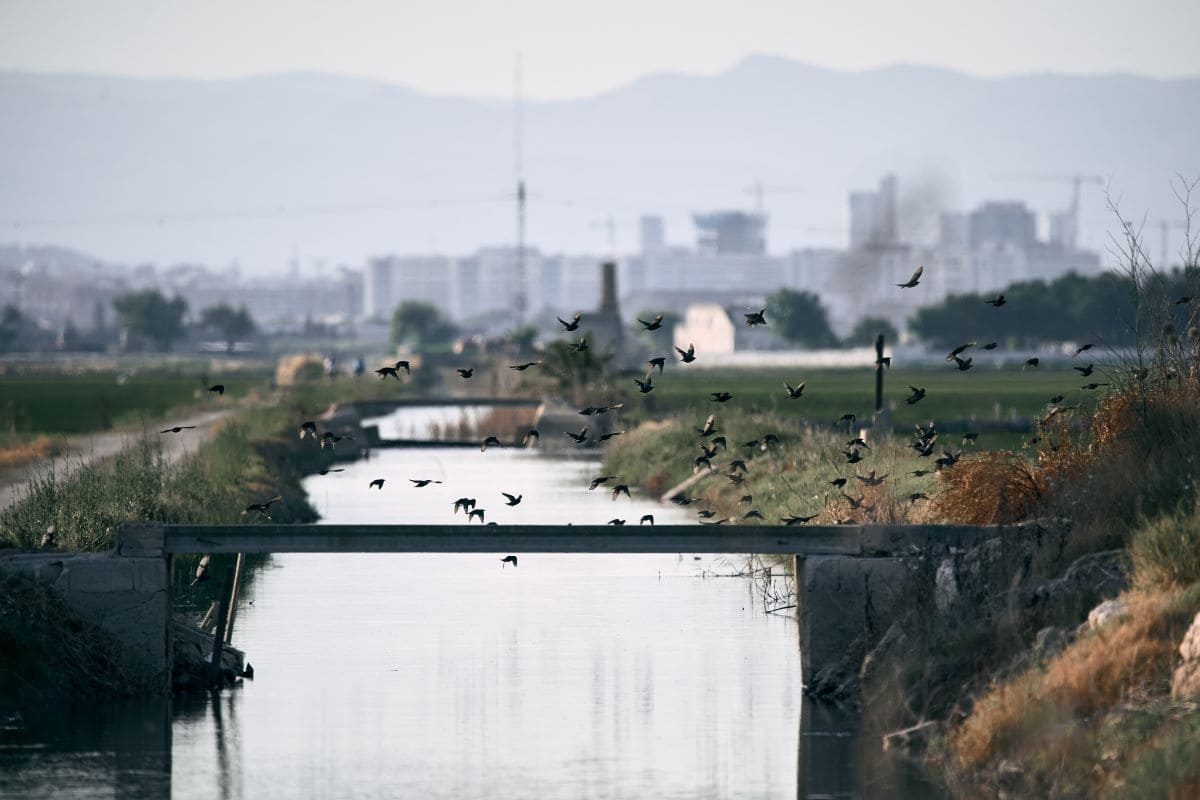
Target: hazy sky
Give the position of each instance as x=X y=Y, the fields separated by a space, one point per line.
x=573 y=48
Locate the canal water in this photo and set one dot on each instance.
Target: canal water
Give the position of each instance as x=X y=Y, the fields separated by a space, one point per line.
x=458 y=676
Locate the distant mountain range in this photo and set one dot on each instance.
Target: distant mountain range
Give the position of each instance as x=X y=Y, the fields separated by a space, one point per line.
x=336 y=168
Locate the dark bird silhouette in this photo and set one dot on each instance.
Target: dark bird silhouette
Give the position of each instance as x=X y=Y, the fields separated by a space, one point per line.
x=790 y=521
x=620 y=489
x=531 y=437
x=1058 y=398
x=330 y=439
x=838 y=482
x=915 y=496
x=719 y=441
x=920 y=473
x=682 y=500
x=953 y=354
x=962 y=364
x=769 y=439
x=870 y=479
x=579 y=346
x=706 y=514
x=646 y=386
x=475 y=512
x=421 y=483
x=605 y=437
x=709 y=426
x=997 y=301
x=308 y=428
x=464 y=504
x=991 y=345
x=376 y=484
x=508 y=560
x=701 y=462
x=852 y=455
x=177 y=429
x=1183 y=300
x=858 y=441
x=653 y=325
x=384 y=372
x=601 y=479
x=219 y=388
x=201 y=570
x=1032 y=362
x=794 y=392
x=616 y=521
x=720 y=397
x=1091 y=386
x=753 y=513
x=709 y=451
x=657 y=361
x=512 y=499
x=525 y=366
x=573 y=325
x=736 y=478
x=332 y=469
x=489 y=442
x=578 y=438
x=1082 y=348
x=647 y=518
x=466 y=374
x=687 y=356
x=592 y=411
x=404 y=365
x=948 y=459
x=970 y=437
x=918 y=393
x=914 y=280
x=847 y=418
x=1083 y=371
x=262 y=508
x=738 y=465
x=756 y=318
x=746 y=498
x=855 y=502
x=884 y=361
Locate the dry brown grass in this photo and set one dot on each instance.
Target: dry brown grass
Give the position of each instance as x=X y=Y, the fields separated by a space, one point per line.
x=20 y=452
x=1126 y=659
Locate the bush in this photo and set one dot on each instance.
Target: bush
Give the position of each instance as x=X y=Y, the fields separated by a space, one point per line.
x=1166 y=551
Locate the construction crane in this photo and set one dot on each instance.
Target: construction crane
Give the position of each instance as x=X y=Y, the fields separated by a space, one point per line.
x=1070 y=235
x=759 y=190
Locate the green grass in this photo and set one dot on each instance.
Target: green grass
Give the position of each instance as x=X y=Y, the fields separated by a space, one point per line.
x=83 y=402
x=981 y=393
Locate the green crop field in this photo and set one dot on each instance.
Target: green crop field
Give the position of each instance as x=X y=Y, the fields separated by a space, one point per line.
x=982 y=393
x=82 y=402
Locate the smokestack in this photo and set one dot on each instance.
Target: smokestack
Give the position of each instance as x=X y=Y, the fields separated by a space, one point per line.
x=608 y=287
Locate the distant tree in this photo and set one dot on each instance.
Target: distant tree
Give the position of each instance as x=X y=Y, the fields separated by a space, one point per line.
x=11 y=322
x=421 y=326
x=523 y=338
x=799 y=317
x=150 y=318
x=867 y=328
x=231 y=323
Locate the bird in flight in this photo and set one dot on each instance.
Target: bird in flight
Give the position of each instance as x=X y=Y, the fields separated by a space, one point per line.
x=605 y=437
x=466 y=373
x=262 y=508
x=593 y=410
x=1083 y=371
x=956 y=352
x=512 y=499
x=962 y=364
x=421 y=483
x=997 y=301
x=687 y=356
x=794 y=392
x=384 y=372
x=620 y=489
x=647 y=518
x=508 y=560
x=914 y=280
x=653 y=324
x=915 y=496
x=797 y=520
x=753 y=513
x=490 y=442
x=579 y=346
x=531 y=437
x=573 y=324
x=709 y=426
x=870 y=479
x=920 y=473
x=918 y=392
x=847 y=418
x=332 y=469
x=601 y=479
x=473 y=513
x=991 y=345
x=330 y=439
x=308 y=428
x=646 y=386
x=201 y=570
x=1032 y=362
x=616 y=521
x=177 y=429
x=376 y=484
x=755 y=318
x=464 y=503
x=404 y=365
x=971 y=437
x=883 y=361
x=578 y=438
x=852 y=455
x=657 y=361
x=720 y=397
x=219 y=388
x=838 y=482
x=1091 y=386
x=1082 y=348
x=525 y=366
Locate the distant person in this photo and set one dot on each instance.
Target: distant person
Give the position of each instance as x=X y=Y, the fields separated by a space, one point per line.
x=330 y=368
x=359 y=367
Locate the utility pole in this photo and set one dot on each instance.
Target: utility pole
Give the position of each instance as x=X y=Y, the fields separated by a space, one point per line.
x=879 y=363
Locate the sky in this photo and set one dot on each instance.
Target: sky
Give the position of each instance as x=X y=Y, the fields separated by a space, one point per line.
x=576 y=48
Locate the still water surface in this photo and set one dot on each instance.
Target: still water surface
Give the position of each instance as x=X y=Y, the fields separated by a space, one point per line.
x=451 y=676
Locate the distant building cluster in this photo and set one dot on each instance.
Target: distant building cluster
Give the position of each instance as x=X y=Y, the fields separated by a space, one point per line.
x=728 y=265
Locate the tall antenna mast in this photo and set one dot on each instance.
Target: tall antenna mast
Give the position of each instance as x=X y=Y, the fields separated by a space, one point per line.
x=522 y=299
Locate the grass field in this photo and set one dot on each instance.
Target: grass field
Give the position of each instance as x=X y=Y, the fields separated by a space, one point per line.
x=980 y=393
x=79 y=403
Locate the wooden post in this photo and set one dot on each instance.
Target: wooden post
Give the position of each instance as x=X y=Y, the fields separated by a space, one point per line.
x=879 y=373
x=214 y=667
x=233 y=596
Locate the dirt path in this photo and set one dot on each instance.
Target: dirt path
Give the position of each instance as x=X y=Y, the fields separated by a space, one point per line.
x=89 y=448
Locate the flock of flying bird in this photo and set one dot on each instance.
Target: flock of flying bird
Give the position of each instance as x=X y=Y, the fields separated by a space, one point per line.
x=711 y=440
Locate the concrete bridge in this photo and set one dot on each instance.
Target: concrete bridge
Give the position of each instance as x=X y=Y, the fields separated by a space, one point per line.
x=850 y=580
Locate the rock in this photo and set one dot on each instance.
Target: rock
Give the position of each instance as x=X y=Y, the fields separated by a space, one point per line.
x=1106 y=612
x=945 y=593
x=1049 y=643
x=1185 y=682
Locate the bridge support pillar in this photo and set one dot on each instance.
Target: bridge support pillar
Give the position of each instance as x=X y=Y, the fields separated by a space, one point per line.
x=844 y=603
